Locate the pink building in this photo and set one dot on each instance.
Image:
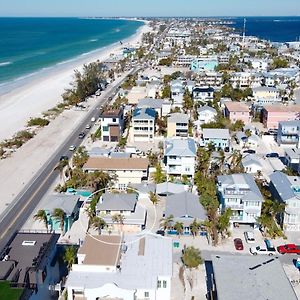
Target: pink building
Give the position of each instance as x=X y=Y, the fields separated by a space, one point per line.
x=272 y=114
x=237 y=111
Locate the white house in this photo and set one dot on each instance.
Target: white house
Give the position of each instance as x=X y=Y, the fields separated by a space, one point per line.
x=220 y=138
x=112 y=125
x=203 y=93
x=240 y=193
x=177 y=92
x=180 y=157
x=206 y=114
x=286 y=189
x=143 y=125
x=138 y=267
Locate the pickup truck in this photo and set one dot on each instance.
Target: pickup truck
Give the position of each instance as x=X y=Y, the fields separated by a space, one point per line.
x=288 y=248
x=261 y=250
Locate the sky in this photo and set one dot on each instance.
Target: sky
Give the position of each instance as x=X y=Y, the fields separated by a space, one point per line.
x=106 y=8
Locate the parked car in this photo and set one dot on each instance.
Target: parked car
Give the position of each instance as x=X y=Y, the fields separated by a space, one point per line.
x=64 y=157
x=160 y=232
x=273 y=154
x=81 y=135
x=260 y=250
x=93 y=119
x=250 y=151
x=72 y=148
x=288 y=248
x=88 y=126
x=238 y=244
x=249 y=237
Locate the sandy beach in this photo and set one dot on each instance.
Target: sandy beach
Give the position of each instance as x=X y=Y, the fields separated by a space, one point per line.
x=45 y=89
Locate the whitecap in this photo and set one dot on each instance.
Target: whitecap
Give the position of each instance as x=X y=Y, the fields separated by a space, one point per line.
x=5 y=63
x=93 y=40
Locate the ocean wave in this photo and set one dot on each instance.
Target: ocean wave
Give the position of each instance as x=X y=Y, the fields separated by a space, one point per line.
x=93 y=40
x=5 y=63
x=117 y=30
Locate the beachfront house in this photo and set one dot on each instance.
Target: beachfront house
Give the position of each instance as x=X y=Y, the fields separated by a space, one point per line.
x=288 y=133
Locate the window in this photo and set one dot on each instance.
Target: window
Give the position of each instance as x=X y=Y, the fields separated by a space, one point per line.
x=114 y=120
x=159 y=284
x=164 y=284
x=105 y=128
x=146 y=294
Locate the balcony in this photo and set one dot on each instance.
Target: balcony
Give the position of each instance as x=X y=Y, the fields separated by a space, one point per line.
x=235 y=206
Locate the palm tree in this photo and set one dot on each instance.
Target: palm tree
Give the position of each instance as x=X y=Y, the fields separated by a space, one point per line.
x=236 y=159
x=192 y=257
x=70 y=256
x=59 y=215
x=179 y=228
x=159 y=176
x=153 y=198
x=194 y=228
x=118 y=218
x=166 y=222
x=98 y=223
x=41 y=216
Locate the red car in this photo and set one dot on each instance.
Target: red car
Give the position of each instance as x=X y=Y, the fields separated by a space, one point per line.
x=288 y=248
x=238 y=244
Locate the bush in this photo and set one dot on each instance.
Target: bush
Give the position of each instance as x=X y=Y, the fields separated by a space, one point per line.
x=38 y=122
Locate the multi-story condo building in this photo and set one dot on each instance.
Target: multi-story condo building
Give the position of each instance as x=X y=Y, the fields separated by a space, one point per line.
x=180 y=157
x=286 y=189
x=237 y=111
x=240 y=193
x=143 y=125
x=288 y=133
x=178 y=125
x=112 y=125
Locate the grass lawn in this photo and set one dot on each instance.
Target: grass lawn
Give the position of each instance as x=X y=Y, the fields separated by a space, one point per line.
x=8 y=293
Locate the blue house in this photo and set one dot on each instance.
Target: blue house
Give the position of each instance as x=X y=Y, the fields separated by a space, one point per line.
x=220 y=138
x=288 y=133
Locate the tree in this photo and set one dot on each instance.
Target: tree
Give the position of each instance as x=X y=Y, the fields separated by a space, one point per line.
x=187 y=101
x=237 y=126
x=192 y=257
x=166 y=222
x=118 y=218
x=60 y=167
x=70 y=256
x=80 y=157
x=59 y=215
x=224 y=222
x=41 y=216
x=159 y=176
x=248 y=133
x=166 y=92
x=194 y=228
x=178 y=226
x=98 y=223
x=153 y=198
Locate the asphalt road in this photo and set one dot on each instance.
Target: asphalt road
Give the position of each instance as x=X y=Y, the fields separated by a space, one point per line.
x=24 y=204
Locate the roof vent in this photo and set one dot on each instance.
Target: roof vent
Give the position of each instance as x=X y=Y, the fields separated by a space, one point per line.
x=28 y=243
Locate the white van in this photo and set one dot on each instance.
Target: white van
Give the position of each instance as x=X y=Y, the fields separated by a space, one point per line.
x=249 y=237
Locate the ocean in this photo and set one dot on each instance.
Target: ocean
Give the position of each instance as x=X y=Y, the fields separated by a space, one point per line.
x=29 y=45
x=274 y=29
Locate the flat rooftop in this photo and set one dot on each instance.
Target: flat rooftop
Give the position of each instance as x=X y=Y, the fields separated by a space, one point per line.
x=282 y=108
x=251 y=277
x=101 y=250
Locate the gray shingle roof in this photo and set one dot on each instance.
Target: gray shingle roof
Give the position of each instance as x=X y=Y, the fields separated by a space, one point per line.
x=206 y=107
x=180 y=147
x=251 y=277
x=170 y=188
x=117 y=202
x=150 y=103
x=178 y=118
x=185 y=205
x=215 y=133
x=66 y=202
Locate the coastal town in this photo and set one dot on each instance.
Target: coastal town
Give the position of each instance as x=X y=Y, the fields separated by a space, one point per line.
x=168 y=170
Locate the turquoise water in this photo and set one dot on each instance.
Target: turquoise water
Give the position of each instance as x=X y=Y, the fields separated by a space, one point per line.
x=28 y=45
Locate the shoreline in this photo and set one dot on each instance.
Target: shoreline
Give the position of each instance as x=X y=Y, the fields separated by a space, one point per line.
x=43 y=90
